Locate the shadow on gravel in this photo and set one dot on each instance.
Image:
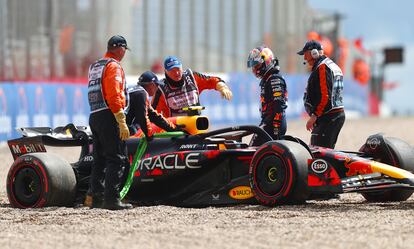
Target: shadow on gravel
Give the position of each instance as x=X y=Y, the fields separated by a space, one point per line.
x=316 y=206
x=5 y=205
x=337 y=206
x=358 y=206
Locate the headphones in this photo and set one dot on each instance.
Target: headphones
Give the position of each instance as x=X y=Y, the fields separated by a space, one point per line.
x=315 y=53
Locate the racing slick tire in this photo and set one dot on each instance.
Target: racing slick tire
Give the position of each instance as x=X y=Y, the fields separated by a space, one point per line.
x=41 y=179
x=400 y=155
x=278 y=173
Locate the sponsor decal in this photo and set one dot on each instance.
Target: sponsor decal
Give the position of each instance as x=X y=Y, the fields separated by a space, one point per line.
x=188 y=146
x=87 y=159
x=118 y=78
x=276 y=86
x=171 y=161
x=172 y=63
x=277 y=94
x=215 y=197
x=241 y=193
x=373 y=143
x=319 y=166
x=20 y=149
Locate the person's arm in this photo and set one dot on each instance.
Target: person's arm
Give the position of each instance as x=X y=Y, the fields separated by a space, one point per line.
x=321 y=91
x=113 y=90
x=141 y=113
x=211 y=82
x=318 y=95
x=159 y=120
x=311 y=122
x=113 y=87
x=130 y=115
x=159 y=104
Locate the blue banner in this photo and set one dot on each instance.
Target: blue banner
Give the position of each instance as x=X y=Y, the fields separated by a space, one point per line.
x=41 y=105
x=57 y=104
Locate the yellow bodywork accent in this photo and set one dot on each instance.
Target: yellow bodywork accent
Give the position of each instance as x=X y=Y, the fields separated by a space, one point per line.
x=391 y=170
x=193 y=108
x=190 y=123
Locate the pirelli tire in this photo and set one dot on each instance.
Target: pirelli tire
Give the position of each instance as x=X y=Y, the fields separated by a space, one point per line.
x=278 y=173
x=39 y=180
x=400 y=155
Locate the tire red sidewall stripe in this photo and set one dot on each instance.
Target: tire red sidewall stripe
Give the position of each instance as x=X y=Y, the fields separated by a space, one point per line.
x=41 y=173
x=285 y=190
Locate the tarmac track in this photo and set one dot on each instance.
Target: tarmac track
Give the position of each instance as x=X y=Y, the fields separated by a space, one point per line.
x=348 y=222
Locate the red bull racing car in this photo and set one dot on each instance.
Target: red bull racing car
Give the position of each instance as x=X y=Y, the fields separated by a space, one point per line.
x=218 y=167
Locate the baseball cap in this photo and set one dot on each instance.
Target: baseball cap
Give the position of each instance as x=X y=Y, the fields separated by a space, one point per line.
x=117 y=41
x=309 y=45
x=148 y=77
x=170 y=62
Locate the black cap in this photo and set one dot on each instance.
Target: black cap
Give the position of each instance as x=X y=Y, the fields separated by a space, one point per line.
x=148 y=77
x=309 y=45
x=117 y=41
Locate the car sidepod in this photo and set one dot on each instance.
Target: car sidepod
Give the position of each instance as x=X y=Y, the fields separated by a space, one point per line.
x=191 y=173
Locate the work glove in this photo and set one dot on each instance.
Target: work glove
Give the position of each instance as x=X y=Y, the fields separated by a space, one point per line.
x=179 y=127
x=224 y=90
x=132 y=130
x=149 y=138
x=123 y=128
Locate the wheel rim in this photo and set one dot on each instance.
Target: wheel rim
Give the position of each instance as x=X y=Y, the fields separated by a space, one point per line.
x=271 y=175
x=27 y=187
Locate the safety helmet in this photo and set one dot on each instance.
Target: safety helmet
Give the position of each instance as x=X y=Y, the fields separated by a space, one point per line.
x=261 y=60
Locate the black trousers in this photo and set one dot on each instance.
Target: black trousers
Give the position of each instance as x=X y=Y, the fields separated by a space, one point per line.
x=110 y=156
x=276 y=134
x=279 y=132
x=327 y=128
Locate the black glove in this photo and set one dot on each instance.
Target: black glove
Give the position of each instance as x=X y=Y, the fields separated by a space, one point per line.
x=132 y=129
x=179 y=127
x=149 y=138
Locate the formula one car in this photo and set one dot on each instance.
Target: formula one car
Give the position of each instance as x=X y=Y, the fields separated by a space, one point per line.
x=219 y=167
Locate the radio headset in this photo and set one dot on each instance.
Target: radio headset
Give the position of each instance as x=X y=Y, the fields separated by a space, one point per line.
x=315 y=53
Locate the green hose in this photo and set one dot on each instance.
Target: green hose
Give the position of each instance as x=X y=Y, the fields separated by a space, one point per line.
x=142 y=146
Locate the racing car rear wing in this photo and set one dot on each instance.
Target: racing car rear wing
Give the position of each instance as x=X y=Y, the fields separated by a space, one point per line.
x=34 y=139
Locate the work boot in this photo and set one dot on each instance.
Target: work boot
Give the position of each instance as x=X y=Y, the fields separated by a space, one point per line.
x=97 y=201
x=88 y=201
x=115 y=205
